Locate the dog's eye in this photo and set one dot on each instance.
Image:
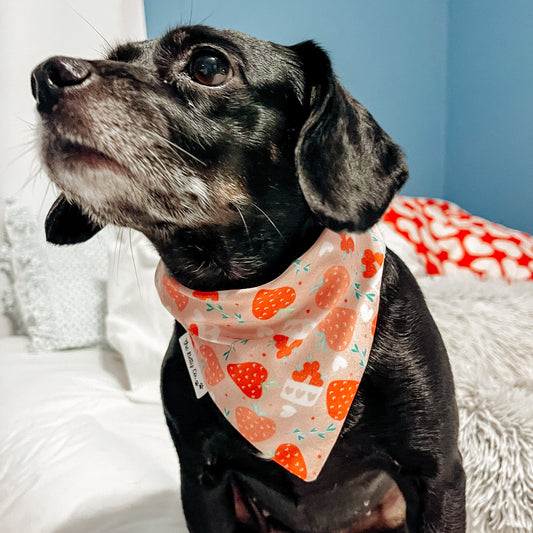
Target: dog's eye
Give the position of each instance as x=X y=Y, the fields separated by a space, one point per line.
x=209 y=68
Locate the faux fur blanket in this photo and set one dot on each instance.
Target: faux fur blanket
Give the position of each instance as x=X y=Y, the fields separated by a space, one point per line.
x=488 y=330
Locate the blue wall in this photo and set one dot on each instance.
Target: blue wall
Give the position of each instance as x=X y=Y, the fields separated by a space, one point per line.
x=489 y=148
x=449 y=80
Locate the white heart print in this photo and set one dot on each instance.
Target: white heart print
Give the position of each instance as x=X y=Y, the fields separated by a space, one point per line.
x=287 y=411
x=476 y=246
x=210 y=333
x=197 y=316
x=366 y=313
x=339 y=363
x=326 y=248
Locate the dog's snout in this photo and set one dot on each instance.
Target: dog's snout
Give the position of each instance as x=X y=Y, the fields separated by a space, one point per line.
x=51 y=78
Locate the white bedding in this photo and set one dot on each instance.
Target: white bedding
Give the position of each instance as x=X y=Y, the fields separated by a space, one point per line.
x=76 y=455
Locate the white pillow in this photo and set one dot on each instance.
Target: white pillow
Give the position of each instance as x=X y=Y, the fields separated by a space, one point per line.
x=137 y=324
x=57 y=293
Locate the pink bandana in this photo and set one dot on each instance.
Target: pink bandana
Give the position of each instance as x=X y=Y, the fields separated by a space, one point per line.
x=283 y=361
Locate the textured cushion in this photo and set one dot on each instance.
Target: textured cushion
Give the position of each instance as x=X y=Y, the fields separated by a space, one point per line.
x=58 y=292
x=487 y=327
x=448 y=239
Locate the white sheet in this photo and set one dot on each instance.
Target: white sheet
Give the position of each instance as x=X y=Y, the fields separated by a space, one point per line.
x=76 y=455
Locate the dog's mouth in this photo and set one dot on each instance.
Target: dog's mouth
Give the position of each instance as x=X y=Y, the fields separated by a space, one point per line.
x=77 y=162
x=70 y=146
x=88 y=157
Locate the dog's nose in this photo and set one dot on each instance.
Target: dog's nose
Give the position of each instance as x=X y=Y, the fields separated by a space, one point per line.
x=53 y=77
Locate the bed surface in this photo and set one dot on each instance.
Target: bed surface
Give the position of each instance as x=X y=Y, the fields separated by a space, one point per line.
x=76 y=454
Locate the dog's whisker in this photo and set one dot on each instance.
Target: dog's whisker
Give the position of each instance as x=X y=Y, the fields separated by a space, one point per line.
x=117 y=251
x=24 y=148
x=170 y=144
x=91 y=26
x=156 y=157
x=24 y=152
x=45 y=195
x=34 y=174
x=269 y=219
x=31 y=125
x=244 y=223
x=30 y=144
x=190 y=11
x=134 y=264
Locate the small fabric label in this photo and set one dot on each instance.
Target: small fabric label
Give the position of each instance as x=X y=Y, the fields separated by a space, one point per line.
x=193 y=367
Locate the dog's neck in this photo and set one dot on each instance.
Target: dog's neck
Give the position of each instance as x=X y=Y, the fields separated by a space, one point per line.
x=236 y=256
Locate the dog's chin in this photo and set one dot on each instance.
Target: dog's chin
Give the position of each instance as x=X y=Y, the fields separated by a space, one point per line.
x=74 y=163
x=77 y=158
x=83 y=174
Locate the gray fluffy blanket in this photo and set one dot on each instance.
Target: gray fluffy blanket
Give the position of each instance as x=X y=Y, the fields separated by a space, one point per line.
x=488 y=330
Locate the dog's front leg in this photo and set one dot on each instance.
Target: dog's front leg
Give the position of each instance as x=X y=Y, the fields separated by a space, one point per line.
x=194 y=424
x=445 y=509
x=208 y=502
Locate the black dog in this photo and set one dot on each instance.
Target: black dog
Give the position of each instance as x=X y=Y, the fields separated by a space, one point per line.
x=231 y=155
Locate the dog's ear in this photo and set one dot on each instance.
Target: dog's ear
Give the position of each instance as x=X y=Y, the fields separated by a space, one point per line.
x=67 y=224
x=348 y=167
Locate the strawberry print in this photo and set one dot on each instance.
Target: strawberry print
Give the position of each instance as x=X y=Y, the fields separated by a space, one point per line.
x=333 y=285
x=347 y=243
x=339 y=397
x=338 y=328
x=267 y=303
x=290 y=457
x=368 y=260
x=254 y=426
x=248 y=377
x=201 y=295
x=284 y=348
x=213 y=372
x=173 y=291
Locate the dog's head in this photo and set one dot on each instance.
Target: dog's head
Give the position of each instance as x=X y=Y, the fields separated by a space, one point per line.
x=209 y=129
